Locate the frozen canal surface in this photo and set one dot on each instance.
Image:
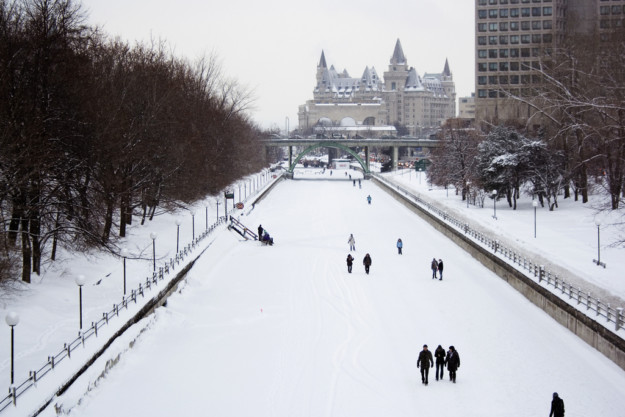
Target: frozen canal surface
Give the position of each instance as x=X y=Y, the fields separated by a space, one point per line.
x=286 y=331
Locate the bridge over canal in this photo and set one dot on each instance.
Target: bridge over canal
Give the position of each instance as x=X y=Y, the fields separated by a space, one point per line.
x=348 y=145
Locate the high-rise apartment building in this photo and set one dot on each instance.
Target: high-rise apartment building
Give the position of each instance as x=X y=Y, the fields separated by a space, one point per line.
x=511 y=37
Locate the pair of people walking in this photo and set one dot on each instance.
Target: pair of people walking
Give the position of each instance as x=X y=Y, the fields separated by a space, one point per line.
x=451 y=359
x=437 y=266
x=366 y=262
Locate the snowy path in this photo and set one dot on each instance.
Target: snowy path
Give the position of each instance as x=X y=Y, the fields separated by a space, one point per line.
x=286 y=331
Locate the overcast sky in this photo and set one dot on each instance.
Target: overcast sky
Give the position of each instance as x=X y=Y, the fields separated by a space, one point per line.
x=273 y=47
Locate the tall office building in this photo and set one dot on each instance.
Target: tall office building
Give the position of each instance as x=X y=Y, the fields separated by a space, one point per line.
x=512 y=36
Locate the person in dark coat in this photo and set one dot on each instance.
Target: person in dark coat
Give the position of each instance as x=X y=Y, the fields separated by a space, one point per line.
x=425 y=362
x=367 y=263
x=439 y=354
x=453 y=363
x=260 y=231
x=434 y=267
x=557 y=406
x=440 y=269
x=400 y=245
x=350 y=260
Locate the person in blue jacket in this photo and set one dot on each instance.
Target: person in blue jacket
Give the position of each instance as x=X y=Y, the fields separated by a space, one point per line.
x=400 y=245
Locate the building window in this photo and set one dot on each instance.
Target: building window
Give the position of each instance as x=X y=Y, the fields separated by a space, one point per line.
x=492 y=66
x=536 y=24
x=393 y=86
x=481 y=93
x=492 y=53
x=525 y=25
x=514 y=52
x=525 y=79
x=503 y=66
x=514 y=66
x=503 y=40
x=492 y=93
x=514 y=79
x=481 y=40
x=525 y=52
x=547 y=11
x=481 y=80
x=536 y=38
x=492 y=40
x=492 y=13
x=481 y=66
x=604 y=10
x=503 y=26
x=482 y=2
x=481 y=27
x=481 y=14
x=514 y=39
x=503 y=13
x=503 y=53
x=492 y=27
x=525 y=12
x=547 y=24
x=481 y=53
x=525 y=38
x=503 y=79
x=535 y=11
x=514 y=12
x=514 y=25
x=492 y=80
x=547 y=38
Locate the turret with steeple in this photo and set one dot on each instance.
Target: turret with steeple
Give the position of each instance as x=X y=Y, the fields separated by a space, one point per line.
x=395 y=77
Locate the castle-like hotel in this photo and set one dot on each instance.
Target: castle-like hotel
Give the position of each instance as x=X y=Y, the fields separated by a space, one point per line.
x=369 y=103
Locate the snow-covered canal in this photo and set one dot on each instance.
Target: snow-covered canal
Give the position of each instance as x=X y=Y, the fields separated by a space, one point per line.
x=286 y=331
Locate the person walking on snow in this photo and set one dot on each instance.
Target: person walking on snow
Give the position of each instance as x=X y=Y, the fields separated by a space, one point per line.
x=350 y=260
x=434 y=268
x=453 y=363
x=400 y=244
x=557 y=406
x=367 y=263
x=439 y=355
x=260 y=231
x=369 y=199
x=426 y=362
x=440 y=269
x=352 y=243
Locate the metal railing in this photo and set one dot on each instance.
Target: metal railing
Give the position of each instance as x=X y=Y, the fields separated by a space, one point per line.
x=575 y=295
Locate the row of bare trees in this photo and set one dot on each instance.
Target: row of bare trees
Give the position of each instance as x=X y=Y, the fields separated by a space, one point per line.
x=94 y=131
x=576 y=130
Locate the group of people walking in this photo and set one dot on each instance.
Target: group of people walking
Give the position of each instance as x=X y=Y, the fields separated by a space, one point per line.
x=350 y=259
x=437 y=266
x=449 y=359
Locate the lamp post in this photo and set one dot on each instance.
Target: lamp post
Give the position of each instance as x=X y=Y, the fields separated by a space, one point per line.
x=217 y=204
x=494 y=204
x=153 y=237
x=80 y=281
x=12 y=319
x=124 y=254
x=468 y=192
x=535 y=204
x=419 y=176
x=598 y=260
x=206 y=218
x=178 y=223
x=193 y=225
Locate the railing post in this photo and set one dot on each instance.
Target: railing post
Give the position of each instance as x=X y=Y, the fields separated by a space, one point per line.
x=619 y=318
x=541 y=273
x=12 y=393
x=579 y=295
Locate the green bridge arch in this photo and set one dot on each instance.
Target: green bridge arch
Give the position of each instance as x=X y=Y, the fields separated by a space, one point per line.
x=363 y=164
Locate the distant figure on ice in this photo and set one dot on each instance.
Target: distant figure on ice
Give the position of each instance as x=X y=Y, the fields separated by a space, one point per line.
x=367 y=263
x=352 y=242
x=359 y=183
x=440 y=269
x=400 y=245
x=439 y=355
x=434 y=268
x=425 y=362
x=557 y=406
x=354 y=182
x=369 y=199
x=453 y=363
x=260 y=231
x=350 y=260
